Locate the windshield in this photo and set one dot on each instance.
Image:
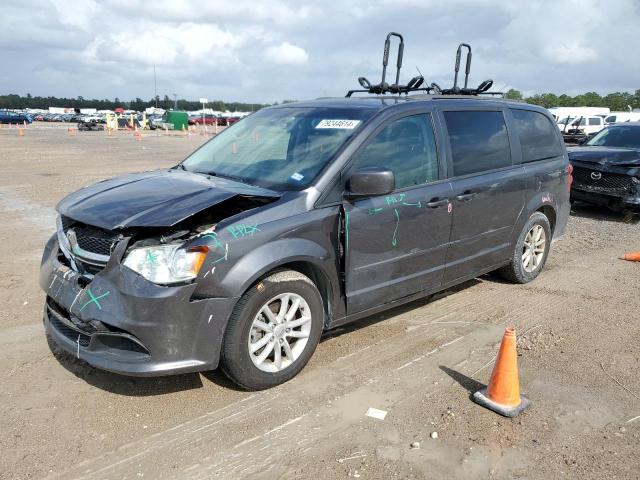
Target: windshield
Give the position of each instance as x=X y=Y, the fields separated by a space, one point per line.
x=618 y=136
x=566 y=120
x=280 y=148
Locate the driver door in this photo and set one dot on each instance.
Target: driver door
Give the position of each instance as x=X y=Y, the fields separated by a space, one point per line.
x=396 y=244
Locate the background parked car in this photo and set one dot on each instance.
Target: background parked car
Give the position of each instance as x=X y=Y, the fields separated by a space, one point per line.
x=207 y=120
x=12 y=117
x=606 y=169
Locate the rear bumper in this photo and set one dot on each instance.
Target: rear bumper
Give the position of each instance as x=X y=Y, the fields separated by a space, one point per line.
x=134 y=327
x=629 y=202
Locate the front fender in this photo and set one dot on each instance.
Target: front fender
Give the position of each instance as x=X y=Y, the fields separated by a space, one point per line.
x=265 y=258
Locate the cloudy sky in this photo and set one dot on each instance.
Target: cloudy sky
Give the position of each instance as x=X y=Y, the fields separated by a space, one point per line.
x=266 y=51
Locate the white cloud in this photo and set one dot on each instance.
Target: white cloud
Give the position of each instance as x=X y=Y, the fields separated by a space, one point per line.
x=170 y=46
x=276 y=49
x=285 y=53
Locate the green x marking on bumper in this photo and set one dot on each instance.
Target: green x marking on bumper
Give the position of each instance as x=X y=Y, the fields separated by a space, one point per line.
x=94 y=299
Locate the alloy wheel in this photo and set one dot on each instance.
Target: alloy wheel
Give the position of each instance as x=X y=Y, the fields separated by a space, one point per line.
x=533 y=249
x=279 y=332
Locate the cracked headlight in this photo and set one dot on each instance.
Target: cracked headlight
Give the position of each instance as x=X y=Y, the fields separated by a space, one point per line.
x=166 y=264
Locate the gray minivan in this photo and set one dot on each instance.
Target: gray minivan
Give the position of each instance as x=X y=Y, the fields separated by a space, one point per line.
x=295 y=220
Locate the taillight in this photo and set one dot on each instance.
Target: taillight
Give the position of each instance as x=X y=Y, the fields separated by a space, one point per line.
x=570 y=172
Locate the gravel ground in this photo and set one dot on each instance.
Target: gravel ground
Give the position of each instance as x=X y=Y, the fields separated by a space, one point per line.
x=578 y=349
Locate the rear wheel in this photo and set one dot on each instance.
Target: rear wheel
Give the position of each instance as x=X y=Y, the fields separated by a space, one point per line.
x=530 y=251
x=273 y=331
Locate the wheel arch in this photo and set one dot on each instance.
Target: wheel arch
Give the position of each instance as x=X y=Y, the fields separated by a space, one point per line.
x=317 y=275
x=549 y=212
x=301 y=255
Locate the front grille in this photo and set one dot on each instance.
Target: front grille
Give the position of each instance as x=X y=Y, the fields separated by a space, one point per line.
x=612 y=183
x=91 y=239
x=89 y=268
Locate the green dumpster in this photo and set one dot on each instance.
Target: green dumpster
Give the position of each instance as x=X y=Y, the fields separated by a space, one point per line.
x=175 y=120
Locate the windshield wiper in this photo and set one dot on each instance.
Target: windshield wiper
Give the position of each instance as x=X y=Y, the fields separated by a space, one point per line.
x=230 y=177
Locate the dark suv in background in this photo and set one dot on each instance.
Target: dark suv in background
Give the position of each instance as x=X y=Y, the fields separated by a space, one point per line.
x=300 y=218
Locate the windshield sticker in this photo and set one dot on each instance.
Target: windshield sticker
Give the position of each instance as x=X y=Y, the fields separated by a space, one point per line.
x=297 y=176
x=344 y=124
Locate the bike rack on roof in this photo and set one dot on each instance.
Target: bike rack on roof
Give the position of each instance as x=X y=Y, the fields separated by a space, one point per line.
x=415 y=84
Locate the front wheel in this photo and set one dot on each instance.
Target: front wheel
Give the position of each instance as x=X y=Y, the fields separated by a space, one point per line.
x=530 y=251
x=273 y=331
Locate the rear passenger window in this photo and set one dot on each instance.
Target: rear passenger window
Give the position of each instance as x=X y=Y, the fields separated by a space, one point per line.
x=479 y=141
x=538 y=136
x=594 y=121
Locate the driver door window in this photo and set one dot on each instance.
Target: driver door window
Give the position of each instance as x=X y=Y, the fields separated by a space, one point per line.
x=405 y=146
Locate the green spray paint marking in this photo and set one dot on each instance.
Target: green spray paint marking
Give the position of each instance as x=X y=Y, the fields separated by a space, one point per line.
x=346 y=230
x=394 y=241
x=151 y=258
x=374 y=211
x=94 y=299
x=214 y=236
x=391 y=200
x=242 y=230
x=218 y=245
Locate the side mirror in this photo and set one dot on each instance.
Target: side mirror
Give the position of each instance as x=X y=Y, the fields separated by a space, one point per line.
x=370 y=182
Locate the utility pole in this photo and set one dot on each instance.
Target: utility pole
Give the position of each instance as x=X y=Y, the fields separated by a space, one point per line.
x=175 y=101
x=155 y=86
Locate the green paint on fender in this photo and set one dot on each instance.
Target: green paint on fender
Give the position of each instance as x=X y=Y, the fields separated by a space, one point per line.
x=346 y=230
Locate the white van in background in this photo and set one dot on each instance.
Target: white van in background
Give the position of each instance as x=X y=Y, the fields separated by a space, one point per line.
x=585 y=125
x=619 y=117
x=574 y=112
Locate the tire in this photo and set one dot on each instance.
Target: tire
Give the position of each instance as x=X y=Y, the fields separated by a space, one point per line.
x=268 y=332
x=525 y=270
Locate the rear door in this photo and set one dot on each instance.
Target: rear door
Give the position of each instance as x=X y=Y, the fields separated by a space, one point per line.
x=487 y=190
x=396 y=244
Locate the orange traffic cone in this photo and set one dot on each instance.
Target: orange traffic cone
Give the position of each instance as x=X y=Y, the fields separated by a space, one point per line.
x=632 y=257
x=502 y=395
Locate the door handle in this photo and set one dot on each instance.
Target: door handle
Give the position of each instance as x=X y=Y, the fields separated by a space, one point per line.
x=466 y=196
x=434 y=203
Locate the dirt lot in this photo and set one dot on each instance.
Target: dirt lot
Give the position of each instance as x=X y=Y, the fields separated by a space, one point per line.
x=579 y=347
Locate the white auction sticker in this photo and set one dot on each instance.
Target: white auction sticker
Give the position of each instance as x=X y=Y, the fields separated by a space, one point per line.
x=297 y=176
x=346 y=124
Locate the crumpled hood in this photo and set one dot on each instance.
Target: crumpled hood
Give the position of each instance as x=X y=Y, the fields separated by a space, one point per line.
x=606 y=156
x=160 y=198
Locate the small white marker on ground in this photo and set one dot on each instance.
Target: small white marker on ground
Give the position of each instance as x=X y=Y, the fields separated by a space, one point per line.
x=376 y=413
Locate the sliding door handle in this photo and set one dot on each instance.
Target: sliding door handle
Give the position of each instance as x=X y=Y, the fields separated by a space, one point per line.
x=435 y=203
x=466 y=196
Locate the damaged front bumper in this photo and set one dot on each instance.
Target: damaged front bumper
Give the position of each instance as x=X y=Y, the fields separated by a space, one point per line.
x=121 y=322
x=614 y=202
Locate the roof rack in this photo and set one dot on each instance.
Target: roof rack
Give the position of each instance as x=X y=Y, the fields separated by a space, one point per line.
x=415 y=84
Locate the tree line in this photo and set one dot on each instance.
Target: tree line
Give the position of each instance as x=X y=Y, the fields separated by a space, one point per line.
x=617 y=102
x=28 y=101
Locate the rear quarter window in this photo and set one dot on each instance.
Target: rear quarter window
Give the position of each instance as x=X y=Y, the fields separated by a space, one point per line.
x=538 y=136
x=479 y=141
